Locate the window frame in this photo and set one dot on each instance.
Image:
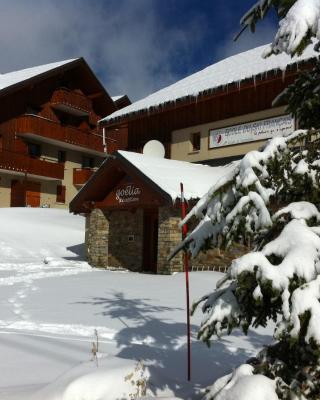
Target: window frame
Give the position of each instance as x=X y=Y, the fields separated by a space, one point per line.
x=64 y=158
x=193 y=148
x=61 y=194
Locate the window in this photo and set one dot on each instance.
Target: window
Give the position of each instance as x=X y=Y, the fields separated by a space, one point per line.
x=33 y=110
x=87 y=162
x=195 y=140
x=61 y=156
x=34 y=150
x=61 y=194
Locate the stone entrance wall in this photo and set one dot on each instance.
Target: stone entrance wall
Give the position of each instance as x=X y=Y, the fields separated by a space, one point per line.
x=125 y=239
x=97 y=234
x=169 y=236
x=115 y=239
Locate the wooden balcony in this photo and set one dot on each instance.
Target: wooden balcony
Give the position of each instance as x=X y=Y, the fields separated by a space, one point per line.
x=71 y=102
x=21 y=163
x=81 y=175
x=33 y=126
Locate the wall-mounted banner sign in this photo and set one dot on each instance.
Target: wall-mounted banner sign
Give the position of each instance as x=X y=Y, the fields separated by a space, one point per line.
x=128 y=194
x=252 y=131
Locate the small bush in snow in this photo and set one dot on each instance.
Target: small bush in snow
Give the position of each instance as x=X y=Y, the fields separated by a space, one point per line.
x=138 y=380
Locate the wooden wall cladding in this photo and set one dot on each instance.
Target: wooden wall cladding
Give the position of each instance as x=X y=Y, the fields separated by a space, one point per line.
x=239 y=102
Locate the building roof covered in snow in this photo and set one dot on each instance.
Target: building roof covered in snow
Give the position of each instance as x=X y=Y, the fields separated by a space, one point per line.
x=168 y=174
x=116 y=98
x=12 y=78
x=163 y=176
x=121 y=101
x=63 y=71
x=234 y=69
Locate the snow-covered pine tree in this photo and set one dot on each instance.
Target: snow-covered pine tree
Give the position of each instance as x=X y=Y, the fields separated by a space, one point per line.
x=303 y=98
x=299 y=24
x=271 y=201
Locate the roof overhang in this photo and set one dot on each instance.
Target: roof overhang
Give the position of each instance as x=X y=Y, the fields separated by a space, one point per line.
x=223 y=90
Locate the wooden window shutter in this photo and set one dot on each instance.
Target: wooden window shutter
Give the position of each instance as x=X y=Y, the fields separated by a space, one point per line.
x=61 y=194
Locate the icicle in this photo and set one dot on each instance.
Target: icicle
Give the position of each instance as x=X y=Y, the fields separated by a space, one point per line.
x=283 y=75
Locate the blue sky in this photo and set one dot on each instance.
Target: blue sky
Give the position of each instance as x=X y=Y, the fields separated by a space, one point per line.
x=134 y=46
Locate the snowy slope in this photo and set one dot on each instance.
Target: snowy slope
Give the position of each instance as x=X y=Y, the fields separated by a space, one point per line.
x=31 y=234
x=49 y=312
x=233 y=69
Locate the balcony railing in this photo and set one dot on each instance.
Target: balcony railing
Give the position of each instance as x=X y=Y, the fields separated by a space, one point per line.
x=35 y=125
x=25 y=164
x=81 y=175
x=77 y=101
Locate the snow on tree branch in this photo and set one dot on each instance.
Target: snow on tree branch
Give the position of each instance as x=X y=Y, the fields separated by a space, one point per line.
x=238 y=204
x=242 y=384
x=249 y=203
x=301 y=23
x=272 y=274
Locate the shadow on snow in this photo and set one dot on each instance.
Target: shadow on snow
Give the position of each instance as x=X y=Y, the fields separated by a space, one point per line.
x=161 y=343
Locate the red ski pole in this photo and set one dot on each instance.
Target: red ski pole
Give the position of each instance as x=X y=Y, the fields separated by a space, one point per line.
x=186 y=270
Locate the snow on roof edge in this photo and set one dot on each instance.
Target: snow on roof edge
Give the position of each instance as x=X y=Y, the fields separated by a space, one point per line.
x=116 y=98
x=12 y=78
x=197 y=178
x=239 y=67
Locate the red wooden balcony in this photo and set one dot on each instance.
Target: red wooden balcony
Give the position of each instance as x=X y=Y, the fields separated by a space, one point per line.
x=71 y=102
x=25 y=164
x=81 y=175
x=33 y=125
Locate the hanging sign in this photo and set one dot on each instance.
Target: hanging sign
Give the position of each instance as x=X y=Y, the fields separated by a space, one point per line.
x=128 y=194
x=252 y=131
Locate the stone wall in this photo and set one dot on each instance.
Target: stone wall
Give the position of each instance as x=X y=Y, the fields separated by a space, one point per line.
x=215 y=259
x=115 y=239
x=97 y=233
x=169 y=235
x=125 y=239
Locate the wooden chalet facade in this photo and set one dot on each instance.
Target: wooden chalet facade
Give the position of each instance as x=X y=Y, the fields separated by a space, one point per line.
x=50 y=143
x=185 y=115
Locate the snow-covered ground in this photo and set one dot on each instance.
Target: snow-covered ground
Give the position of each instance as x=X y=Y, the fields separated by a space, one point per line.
x=52 y=302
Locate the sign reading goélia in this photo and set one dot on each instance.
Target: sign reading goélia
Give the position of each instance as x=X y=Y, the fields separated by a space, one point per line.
x=128 y=193
x=252 y=131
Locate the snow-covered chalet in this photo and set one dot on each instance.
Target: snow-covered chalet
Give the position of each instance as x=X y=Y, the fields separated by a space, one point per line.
x=212 y=117
x=132 y=208
x=215 y=115
x=50 y=143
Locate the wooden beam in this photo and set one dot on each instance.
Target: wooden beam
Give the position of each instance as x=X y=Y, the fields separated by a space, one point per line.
x=95 y=95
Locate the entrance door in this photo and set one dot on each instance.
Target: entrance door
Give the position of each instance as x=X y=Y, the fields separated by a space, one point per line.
x=18 y=194
x=150 y=241
x=33 y=190
x=25 y=194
